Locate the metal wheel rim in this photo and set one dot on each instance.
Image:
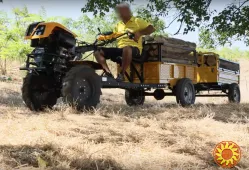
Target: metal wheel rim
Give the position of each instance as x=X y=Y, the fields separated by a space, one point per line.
x=188 y=93
x=83 y=90
x=236 y=94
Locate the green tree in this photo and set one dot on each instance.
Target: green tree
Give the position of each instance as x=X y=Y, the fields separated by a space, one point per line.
x=12 y=43
x=3 y=40
x=206 y=39
x=233 y=54
x=87 y=27
x=229 y=24
x=155 y=20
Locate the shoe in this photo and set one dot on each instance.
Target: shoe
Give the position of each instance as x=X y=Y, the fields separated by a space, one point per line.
x=120 y=78
x=107 y=74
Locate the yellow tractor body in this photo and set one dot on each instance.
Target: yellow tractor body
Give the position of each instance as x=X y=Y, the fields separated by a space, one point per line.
x=44 y=30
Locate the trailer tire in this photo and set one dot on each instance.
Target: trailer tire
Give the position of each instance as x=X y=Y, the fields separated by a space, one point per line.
x=185 y=92
x=134 y=98
x=82 y=88
x=37 y=93
x=234 y=93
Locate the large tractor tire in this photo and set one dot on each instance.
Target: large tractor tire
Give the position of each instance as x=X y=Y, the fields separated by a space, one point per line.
x=134 y=97
x=82 y=88
x=185 y=92
x=38 y=92
x=234 y=93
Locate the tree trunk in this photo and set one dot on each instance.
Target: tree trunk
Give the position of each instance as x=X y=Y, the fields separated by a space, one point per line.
x=3 y=66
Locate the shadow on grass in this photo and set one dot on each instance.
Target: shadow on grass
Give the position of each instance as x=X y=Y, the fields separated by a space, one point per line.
x=30 y=156
x=237 y=113
x=10 y=98
x=221 y=112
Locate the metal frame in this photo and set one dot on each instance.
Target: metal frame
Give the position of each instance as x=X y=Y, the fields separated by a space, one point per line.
x=135 y=71
x=28 y=63
x=112 y=83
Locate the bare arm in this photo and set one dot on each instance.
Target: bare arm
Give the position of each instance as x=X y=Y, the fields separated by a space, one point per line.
x=147 y=31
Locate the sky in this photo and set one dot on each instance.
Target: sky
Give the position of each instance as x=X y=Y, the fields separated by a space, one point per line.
x=72 y=9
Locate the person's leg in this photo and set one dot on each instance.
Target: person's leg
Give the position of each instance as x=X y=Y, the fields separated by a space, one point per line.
x=126 y=61
x=126 y=58
x=129 y=53
x=99 y=55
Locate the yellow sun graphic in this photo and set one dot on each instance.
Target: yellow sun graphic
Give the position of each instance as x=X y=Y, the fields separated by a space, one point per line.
x=227 y=154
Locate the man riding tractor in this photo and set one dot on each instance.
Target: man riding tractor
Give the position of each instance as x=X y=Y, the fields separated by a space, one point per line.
x=128 y=49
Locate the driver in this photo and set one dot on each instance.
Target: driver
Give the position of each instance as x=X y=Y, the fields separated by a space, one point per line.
x=127 y=48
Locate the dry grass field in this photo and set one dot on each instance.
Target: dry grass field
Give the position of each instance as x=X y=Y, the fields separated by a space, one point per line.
x=159 y=135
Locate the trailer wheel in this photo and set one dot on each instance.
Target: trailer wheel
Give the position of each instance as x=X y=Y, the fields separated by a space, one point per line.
x=82 y=88
x=234 y=93
x=134 y=97
x=185 y=92
x=38 y=92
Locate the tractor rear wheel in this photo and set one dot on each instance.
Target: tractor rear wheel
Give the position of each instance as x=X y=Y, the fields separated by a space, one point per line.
x=234 y=93
x=82 y=88
x=185 y=92
x=134 y=97
x=38 y=92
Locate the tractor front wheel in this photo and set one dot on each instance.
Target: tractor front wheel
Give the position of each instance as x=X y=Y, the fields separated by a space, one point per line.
x=38 y=92
x=82 y=88
x=185 y=92
x=134 y=97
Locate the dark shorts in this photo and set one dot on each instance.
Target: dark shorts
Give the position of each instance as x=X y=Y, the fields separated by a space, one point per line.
x=115 y=54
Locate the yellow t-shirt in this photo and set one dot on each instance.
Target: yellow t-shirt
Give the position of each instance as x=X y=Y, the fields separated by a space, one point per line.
x=133 y=25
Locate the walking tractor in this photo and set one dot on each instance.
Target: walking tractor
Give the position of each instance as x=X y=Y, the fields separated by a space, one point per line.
x=56 y=69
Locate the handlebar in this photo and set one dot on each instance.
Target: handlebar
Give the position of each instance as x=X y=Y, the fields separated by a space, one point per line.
x=102 y=40
x=113 y=36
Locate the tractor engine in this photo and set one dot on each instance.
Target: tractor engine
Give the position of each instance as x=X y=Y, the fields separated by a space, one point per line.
x=53 y=44
x=48 y=63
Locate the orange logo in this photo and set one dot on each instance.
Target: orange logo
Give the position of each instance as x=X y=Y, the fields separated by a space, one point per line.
x=227 y=154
